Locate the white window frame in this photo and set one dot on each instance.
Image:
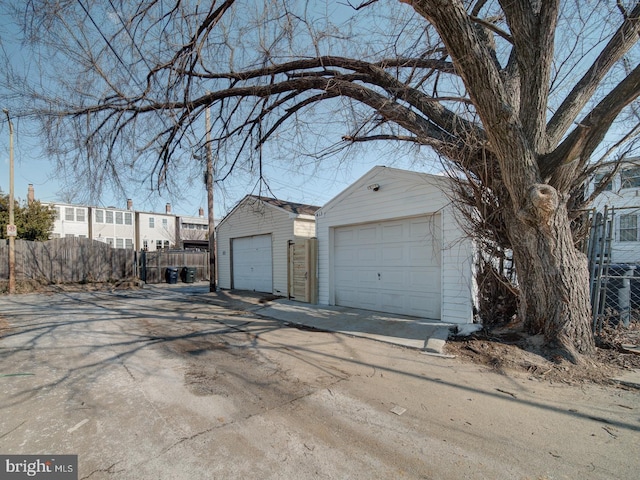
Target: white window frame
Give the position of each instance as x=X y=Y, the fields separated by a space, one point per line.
x=597 y=181
x=630 y=178
x=628 y=227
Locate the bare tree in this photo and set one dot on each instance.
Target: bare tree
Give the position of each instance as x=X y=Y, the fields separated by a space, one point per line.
x=517 y=97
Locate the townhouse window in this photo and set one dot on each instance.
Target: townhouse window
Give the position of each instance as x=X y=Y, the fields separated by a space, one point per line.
x=164 y=223
x=599 y=180
x=166 y=244
x=109 y=241
x=128 y=218
x=630 y=178
x=119 y=242
x=108 y=217
x=158 y=244
x=628 y=228
x=57 y=209
x=152 y=222
x=99 y=216
x=128 y=243
x=145 y=245
x=80 y=215
x=119 y=219
x=69 y=214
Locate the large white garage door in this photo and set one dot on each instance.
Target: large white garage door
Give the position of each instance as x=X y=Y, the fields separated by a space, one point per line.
x=391 y=266
x=252 y=264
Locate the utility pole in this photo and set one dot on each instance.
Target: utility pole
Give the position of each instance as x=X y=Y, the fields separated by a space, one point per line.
x=212 y=227
x=11 y=228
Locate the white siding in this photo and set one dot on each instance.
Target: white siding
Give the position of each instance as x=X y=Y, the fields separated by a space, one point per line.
x=161 y=231
x=401 y=194
x=63 y=227
x=109 y=230
x=256 y=218
x=625 y=201
x=304 y=227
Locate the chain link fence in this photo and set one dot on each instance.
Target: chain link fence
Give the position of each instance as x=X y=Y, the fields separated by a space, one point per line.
x=613 y=249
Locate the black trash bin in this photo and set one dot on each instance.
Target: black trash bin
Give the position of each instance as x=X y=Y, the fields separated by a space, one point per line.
x=189 y=274
x=171 y=275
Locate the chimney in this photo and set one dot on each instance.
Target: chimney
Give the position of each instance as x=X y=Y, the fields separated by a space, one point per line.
x=129 y=204
x=167 y=208
x=31 y=195
x=201 y=212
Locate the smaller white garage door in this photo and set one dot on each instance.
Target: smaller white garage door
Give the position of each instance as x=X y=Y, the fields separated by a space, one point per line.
x=252 y=263
x=391 y=266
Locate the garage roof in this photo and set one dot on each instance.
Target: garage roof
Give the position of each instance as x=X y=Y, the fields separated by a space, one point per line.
x=290 y=208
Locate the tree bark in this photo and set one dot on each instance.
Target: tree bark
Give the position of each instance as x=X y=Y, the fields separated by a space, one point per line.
x=553 y=275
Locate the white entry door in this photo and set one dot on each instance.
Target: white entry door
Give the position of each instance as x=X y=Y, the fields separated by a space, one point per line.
x=252 y=263
x=391 y=266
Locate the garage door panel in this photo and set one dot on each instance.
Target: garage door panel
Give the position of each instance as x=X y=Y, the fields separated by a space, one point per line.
x=429 y=277
x=366 y=235
x=394 y=233
x=395 y=279
x=346 y=256
x=344 y=235
x=389 y=266
x=424 y=255
x=427 y=305
x=252 y=263
x=394 y=254
x=356 y=298
x=365 y=279
x=365 y=254
x=392 y=302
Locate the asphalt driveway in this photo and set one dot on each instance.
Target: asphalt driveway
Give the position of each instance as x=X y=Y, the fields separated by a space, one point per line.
x=173 y=382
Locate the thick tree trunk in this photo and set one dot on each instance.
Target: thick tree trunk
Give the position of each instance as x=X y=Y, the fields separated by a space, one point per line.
x=552 y=274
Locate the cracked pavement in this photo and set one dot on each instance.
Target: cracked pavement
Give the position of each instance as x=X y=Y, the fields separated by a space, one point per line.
x=173 y=382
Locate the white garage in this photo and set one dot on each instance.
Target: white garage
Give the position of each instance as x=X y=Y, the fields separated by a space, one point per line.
x=253 y=242
x=252 y=266
x=390 y=243
x=391 y=266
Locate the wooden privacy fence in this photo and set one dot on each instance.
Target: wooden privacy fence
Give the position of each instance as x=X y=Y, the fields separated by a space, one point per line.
x=68 y=260
x=153 y=265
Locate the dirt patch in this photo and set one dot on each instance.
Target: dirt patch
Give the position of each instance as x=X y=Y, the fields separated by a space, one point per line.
x=36 y=286
x=510 y=350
